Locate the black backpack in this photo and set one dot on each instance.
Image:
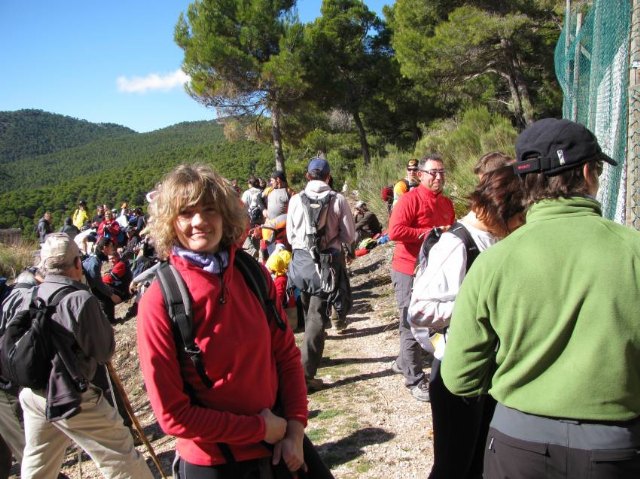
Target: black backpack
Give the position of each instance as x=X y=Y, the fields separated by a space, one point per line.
x=434 y=236
x=5 y=289
x=178 y=303
x=26 y=347
x=255 y=211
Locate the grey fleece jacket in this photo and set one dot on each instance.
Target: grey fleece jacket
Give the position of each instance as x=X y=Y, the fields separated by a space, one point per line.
x=83 y=338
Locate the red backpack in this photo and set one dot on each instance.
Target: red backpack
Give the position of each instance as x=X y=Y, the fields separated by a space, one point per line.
x=387 y=193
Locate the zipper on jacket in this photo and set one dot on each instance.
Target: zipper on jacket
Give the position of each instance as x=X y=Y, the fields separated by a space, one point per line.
x=223 y=289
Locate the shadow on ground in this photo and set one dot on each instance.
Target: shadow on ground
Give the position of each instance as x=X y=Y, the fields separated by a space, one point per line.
x=349 y=448
x=351 y=333
x=359 y=377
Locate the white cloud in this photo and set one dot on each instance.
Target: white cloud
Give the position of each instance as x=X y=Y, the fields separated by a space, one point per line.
x=152 y=82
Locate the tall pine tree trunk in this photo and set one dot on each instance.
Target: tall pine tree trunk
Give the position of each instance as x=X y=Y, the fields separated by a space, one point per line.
x=364 y=145
x=276 y=134
x=522 y=107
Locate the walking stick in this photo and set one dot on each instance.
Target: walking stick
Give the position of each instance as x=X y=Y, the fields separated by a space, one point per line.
x=127 y=405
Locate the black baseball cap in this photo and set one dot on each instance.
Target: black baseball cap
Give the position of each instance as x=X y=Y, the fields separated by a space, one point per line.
x=552 y=146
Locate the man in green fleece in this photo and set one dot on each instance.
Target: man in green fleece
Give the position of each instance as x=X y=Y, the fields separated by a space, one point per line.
x=548 y=322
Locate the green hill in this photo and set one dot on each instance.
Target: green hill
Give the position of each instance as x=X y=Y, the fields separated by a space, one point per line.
x=26 y=133
x=111 y=168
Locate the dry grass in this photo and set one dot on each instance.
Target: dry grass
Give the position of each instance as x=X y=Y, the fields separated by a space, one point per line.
x=16 y=257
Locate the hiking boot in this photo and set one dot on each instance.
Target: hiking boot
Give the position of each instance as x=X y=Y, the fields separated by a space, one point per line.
x=395 y=368
x=314 y=384
x=421 y=391
x=340 y=325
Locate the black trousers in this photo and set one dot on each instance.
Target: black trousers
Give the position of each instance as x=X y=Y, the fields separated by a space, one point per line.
x=460 y=427
x=556 y=448
x=256 y=469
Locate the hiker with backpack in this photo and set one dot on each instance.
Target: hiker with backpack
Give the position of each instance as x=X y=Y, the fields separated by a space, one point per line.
x=408 y=183
x=60 y=402
x=253 y=202
x=318 y=223
x=255 y=211
x=11 y=420
x=460 y=425
x=221 y=367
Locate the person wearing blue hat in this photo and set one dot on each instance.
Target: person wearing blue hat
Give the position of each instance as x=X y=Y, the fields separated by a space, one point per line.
x=546 y=322
x=319 y=222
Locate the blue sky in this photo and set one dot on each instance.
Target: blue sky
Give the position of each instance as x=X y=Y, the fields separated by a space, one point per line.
x=105 y=62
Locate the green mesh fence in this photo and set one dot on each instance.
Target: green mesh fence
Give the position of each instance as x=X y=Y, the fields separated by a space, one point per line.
x=592 y=66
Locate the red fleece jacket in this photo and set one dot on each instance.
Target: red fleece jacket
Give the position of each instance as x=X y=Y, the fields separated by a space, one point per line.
x=248 y=359
x=412 y=218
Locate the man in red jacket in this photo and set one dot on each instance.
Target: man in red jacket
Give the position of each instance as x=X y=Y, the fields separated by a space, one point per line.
x=412 y=218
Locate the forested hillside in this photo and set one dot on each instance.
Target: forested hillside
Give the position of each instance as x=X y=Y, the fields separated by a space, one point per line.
x=26 y=133
x=114 y=168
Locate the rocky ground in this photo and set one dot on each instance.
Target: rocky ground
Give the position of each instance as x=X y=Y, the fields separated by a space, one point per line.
x=365 y=423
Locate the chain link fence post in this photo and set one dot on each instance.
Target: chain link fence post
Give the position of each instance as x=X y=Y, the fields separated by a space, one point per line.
x=632 y=213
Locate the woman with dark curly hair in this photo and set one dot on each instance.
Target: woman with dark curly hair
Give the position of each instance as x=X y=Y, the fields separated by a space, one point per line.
x=197 y=221
x=460 y=425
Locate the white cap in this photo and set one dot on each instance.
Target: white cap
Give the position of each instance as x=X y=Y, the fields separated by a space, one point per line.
x=58 y=250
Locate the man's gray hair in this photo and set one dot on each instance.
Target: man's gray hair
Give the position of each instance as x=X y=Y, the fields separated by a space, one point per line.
x=430 y=157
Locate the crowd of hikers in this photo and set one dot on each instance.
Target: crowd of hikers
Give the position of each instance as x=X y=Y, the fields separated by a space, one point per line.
x=532 y=345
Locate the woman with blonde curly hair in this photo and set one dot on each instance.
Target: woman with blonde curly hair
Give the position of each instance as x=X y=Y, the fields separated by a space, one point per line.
x=197 y=222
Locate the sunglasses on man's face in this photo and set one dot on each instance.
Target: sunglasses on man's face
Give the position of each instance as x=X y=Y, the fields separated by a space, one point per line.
x=434 y=173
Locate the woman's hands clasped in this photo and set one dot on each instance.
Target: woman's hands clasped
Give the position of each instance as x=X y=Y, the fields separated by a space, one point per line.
x=275 y=427
x=287 y=436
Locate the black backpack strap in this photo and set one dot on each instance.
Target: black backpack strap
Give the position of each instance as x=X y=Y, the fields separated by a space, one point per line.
x=254 y=277
x=178 y=303
x=181 y=314
x=470 y=245
x=59 y=294
x=22 y=286
x=65 y=354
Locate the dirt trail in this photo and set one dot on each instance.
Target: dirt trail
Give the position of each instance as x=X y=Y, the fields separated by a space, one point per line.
x=365 y=423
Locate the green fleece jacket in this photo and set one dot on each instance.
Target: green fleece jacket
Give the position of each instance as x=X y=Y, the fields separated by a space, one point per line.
x=548 y=320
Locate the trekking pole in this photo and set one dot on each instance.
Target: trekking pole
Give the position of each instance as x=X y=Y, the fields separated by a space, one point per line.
x=127 y=405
